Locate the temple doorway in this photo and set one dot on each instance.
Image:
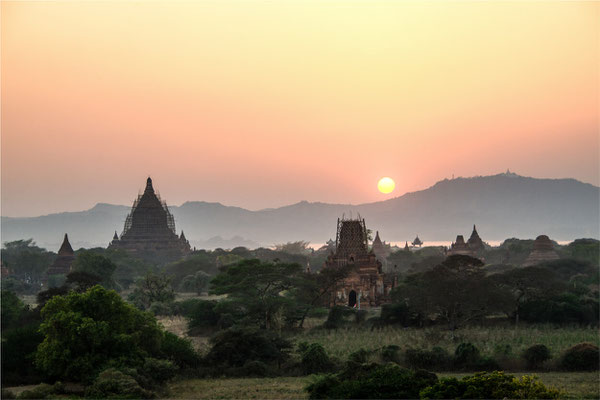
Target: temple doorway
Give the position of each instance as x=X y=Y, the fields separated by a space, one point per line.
x=352 y=298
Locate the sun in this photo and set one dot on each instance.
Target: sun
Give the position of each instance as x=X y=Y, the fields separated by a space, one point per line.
x=386 y=185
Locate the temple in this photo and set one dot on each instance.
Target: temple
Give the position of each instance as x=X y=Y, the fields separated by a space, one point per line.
x=64 y=260
x=381 y=249
x=366 y=285
x=149 y=230
x=543 y=250
x=417 y=242
x=472 y=247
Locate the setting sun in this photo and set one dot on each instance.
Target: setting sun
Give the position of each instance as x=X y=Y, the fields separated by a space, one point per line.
x=386 y=185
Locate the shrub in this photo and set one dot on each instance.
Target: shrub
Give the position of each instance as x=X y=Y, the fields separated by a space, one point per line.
x=42 y=391
x=390 y=353
x=536 y=355
x=373 y=381
x=466 y=354
x=235 y=346
x=436 y=359
x=337 y=317
x=18 y=351
x=360 y=356
x=256 y=368
x=7 y=394
x=581 y=357
x=158 y=372
x=201 y=314
x=494 y=385
x=180 y=351
x=112 y=384
x=161 y=308
x=315 y=359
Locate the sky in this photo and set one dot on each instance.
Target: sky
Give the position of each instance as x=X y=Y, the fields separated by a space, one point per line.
x=261 y=104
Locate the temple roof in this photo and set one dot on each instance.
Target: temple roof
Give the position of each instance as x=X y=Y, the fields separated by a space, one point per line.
x=116 y=237
x=377 y=240
x=351 y=237
x=65 y=248
x=182 y=237
x=460 y=240
x=543 y=243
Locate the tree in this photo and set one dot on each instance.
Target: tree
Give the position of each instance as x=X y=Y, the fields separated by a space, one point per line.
x=258 y=289
x=152 y=289
x=530 y=283
x=195 y=283
x=82 y=281
x=26 y=261
x=13 y=309
x=85 y=333
x=96 y=264
x=299 y=247
x=455 y=291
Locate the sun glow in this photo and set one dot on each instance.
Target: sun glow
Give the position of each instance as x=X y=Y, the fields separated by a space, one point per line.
x=386 y=185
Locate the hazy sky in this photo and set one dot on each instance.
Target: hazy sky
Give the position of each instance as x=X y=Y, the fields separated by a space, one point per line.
x=263 y=103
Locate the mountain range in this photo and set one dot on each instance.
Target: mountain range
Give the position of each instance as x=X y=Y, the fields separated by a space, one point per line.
x=502 y=206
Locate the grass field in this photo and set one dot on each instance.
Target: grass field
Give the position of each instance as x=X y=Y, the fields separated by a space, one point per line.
x=341 y=343
x=574 y=385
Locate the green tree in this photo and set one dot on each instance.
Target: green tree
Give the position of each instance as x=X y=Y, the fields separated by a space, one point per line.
x=12 y=310
x=530 y=283
x=85 y=333
x=151 y=289
x=455 y=291
x=96 y=264
x=259 y=290
x=26 y=261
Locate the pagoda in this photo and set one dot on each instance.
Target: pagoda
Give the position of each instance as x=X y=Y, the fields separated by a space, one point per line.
x=381 y=249
x=475 y=243
x=417 y=242
x=149 y=230
x=62 y=263
x=365 y=285
x=543 y=250
x=460 y=247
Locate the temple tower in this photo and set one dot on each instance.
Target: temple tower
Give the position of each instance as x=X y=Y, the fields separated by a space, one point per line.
x=149 y=229
x=62 y=264
x=543 y=250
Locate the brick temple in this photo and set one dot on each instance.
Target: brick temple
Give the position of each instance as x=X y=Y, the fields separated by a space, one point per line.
x=149 y=230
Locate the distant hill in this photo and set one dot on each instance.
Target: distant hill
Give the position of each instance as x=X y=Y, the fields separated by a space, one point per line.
x=502 y=206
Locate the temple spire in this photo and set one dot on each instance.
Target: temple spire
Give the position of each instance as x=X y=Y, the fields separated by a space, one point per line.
x=116 y=237
x=149 y=187
x=182 y=237
x=65 y=248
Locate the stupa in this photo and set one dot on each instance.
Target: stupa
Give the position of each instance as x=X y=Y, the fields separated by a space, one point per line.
x=149 y=230
x=543 y=250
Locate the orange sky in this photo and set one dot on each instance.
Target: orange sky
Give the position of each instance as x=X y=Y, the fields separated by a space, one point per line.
x=262 y=103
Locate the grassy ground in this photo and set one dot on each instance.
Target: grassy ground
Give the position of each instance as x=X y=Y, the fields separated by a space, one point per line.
x=575 y=386
x=489 y=341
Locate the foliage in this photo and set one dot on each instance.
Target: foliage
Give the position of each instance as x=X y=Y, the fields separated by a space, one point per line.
x=42 y=391
x=436 y=359
x=299 y=247
x=494 y=385
x=258 y=289
x=360 y=356
x=455 y=291
x=398 y=313
x=234 y=347
x=564 y=309
x=371 y=382
x=581 y=357
x=92 y=263
x=26 y=261
x=151 y=289
x=180 y=351
x=82 y=281
x=87 y=332
x=114 y=384
x=338 y=317
x=12 y=310
x=196 y=283
x=199 y=261
x=536 y=355
x=314 y=359
x=201 y=314
x=389 y=353
x=18 y=351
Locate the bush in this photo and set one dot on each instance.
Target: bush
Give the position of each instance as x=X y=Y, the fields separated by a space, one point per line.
x=372 y=382
x=536 y=355
x=160 y=308
x=180 y=351
x=398 y=314
x=360 y=356
x=18 y=352
x=315 y=359
x=114 y=384
x=256 y=368
x=236 y=346
x=466 y=354
x=337 y=317
x=581 y=357
x=201 y=314
x=495 y=385
x=390 y=353
x=436 y=359
x=158 y=372
x=42 y=391
x=7 y=394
